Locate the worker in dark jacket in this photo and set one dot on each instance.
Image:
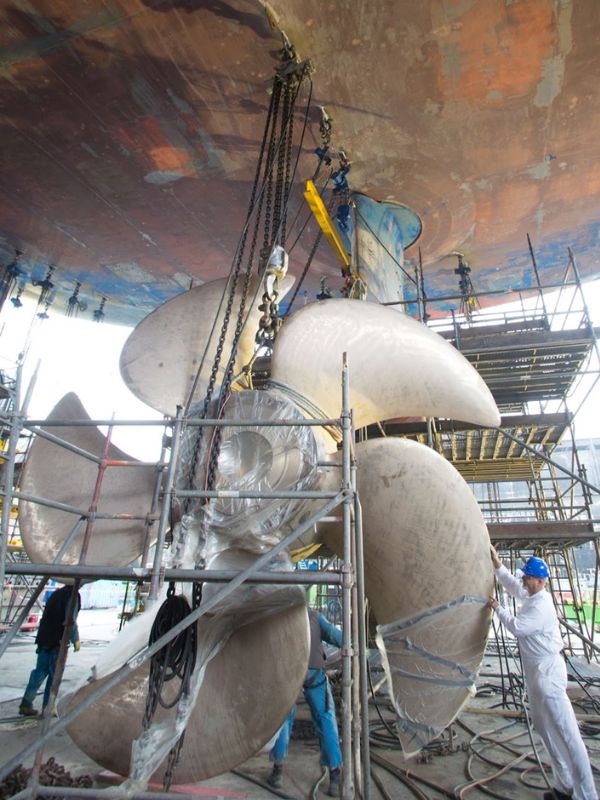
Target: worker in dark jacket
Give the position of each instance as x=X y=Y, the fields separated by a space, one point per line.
x=48 y=638
x=317 y=693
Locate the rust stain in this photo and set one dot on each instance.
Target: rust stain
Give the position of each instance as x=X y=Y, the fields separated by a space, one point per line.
x=572 y=187
x=171 y=159
x=147 y=138
x=497 y=50
x=497 y=211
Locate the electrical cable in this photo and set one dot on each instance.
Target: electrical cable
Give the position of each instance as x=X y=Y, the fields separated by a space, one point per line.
x=405 y=773
x=379 y=783
x=263 y=784
x=405 y=780
x=503 y=743
x=535 y=750
x=461 y=790
x=315 y=788
x=176 y=659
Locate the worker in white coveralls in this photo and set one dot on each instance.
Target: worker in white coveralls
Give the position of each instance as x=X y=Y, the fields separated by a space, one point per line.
x=540 y=643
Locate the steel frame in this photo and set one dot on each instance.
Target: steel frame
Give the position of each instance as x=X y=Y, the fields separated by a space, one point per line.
x=349 y=577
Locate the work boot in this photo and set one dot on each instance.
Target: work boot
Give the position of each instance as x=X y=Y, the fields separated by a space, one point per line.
x=49 y=712
x=276 y=776
x=556 y=794
x=27 y=711
x=334 y=782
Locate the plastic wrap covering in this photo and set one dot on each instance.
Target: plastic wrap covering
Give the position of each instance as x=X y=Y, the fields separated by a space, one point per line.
x=252 y=654
x=257 y=458
x=58 y=474
x=425 y=544
x=432 y=677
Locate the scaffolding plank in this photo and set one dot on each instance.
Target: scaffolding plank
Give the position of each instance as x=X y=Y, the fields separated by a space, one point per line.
x=523 y=535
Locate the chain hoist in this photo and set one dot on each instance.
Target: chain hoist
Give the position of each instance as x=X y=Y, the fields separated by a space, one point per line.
x=267 y=206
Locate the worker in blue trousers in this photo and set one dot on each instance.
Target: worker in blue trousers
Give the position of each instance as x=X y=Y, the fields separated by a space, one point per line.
x=317 y=693
x=49 y=635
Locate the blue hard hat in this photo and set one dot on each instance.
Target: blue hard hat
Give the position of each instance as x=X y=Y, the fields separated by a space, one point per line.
x=536 y=567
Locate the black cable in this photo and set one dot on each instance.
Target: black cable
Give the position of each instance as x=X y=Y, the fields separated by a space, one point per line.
x=404 y=779
x=263 y=784
x=176 y=659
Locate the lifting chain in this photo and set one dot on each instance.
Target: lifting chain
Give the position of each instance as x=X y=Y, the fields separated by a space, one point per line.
x=268 y=204
x=177 y=658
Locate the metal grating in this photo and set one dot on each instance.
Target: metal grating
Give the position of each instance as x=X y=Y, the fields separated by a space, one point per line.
x=485 y=454
x=521 y=366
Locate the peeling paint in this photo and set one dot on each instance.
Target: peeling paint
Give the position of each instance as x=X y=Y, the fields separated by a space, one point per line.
x=217 y=159
x=553 y=72
x=498 y=51
x=172 y=159
x=431 y=107
x=131 y=272
x=162 y=177
x=494 y=96
x=540 y=214
x=539 y=171
x=564 y=26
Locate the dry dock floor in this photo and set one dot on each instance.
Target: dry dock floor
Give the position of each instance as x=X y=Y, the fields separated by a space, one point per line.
x=445 y=766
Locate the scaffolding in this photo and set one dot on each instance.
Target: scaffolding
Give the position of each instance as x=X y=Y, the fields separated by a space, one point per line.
x=347 y=572
x=534 y=494
x=532 y=360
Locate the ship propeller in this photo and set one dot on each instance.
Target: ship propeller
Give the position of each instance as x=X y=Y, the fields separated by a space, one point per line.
x=427 y=577
x=55 y=473
x=174 y=347
x=426 y=545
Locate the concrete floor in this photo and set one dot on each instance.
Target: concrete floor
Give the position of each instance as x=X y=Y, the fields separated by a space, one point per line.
x=444 y=766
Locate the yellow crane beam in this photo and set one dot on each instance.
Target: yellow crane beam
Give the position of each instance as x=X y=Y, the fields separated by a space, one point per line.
x=322 y=216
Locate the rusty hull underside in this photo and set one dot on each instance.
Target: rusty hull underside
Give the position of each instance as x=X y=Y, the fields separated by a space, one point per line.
x=131 y=129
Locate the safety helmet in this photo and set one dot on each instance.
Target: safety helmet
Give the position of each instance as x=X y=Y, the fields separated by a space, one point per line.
x=536 y=567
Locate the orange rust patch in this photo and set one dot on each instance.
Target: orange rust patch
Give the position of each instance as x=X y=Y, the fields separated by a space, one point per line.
x=573 y=187
x=501 y=50
x=171 y=159
x=147 y=136
x=496 y=213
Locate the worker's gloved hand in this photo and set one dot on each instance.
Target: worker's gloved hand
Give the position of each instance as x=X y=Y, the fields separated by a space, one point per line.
x=77 y=646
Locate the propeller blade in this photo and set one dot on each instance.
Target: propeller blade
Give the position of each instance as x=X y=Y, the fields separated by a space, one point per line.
x=428 y=575
x=54 y=473
x=246 y=694
x=160 y=359
x=398 y=367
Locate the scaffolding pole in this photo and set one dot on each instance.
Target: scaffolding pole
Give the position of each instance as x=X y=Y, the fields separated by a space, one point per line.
x=354 y=705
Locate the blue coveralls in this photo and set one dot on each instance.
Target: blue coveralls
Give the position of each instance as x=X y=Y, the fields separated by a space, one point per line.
x=317 y=693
